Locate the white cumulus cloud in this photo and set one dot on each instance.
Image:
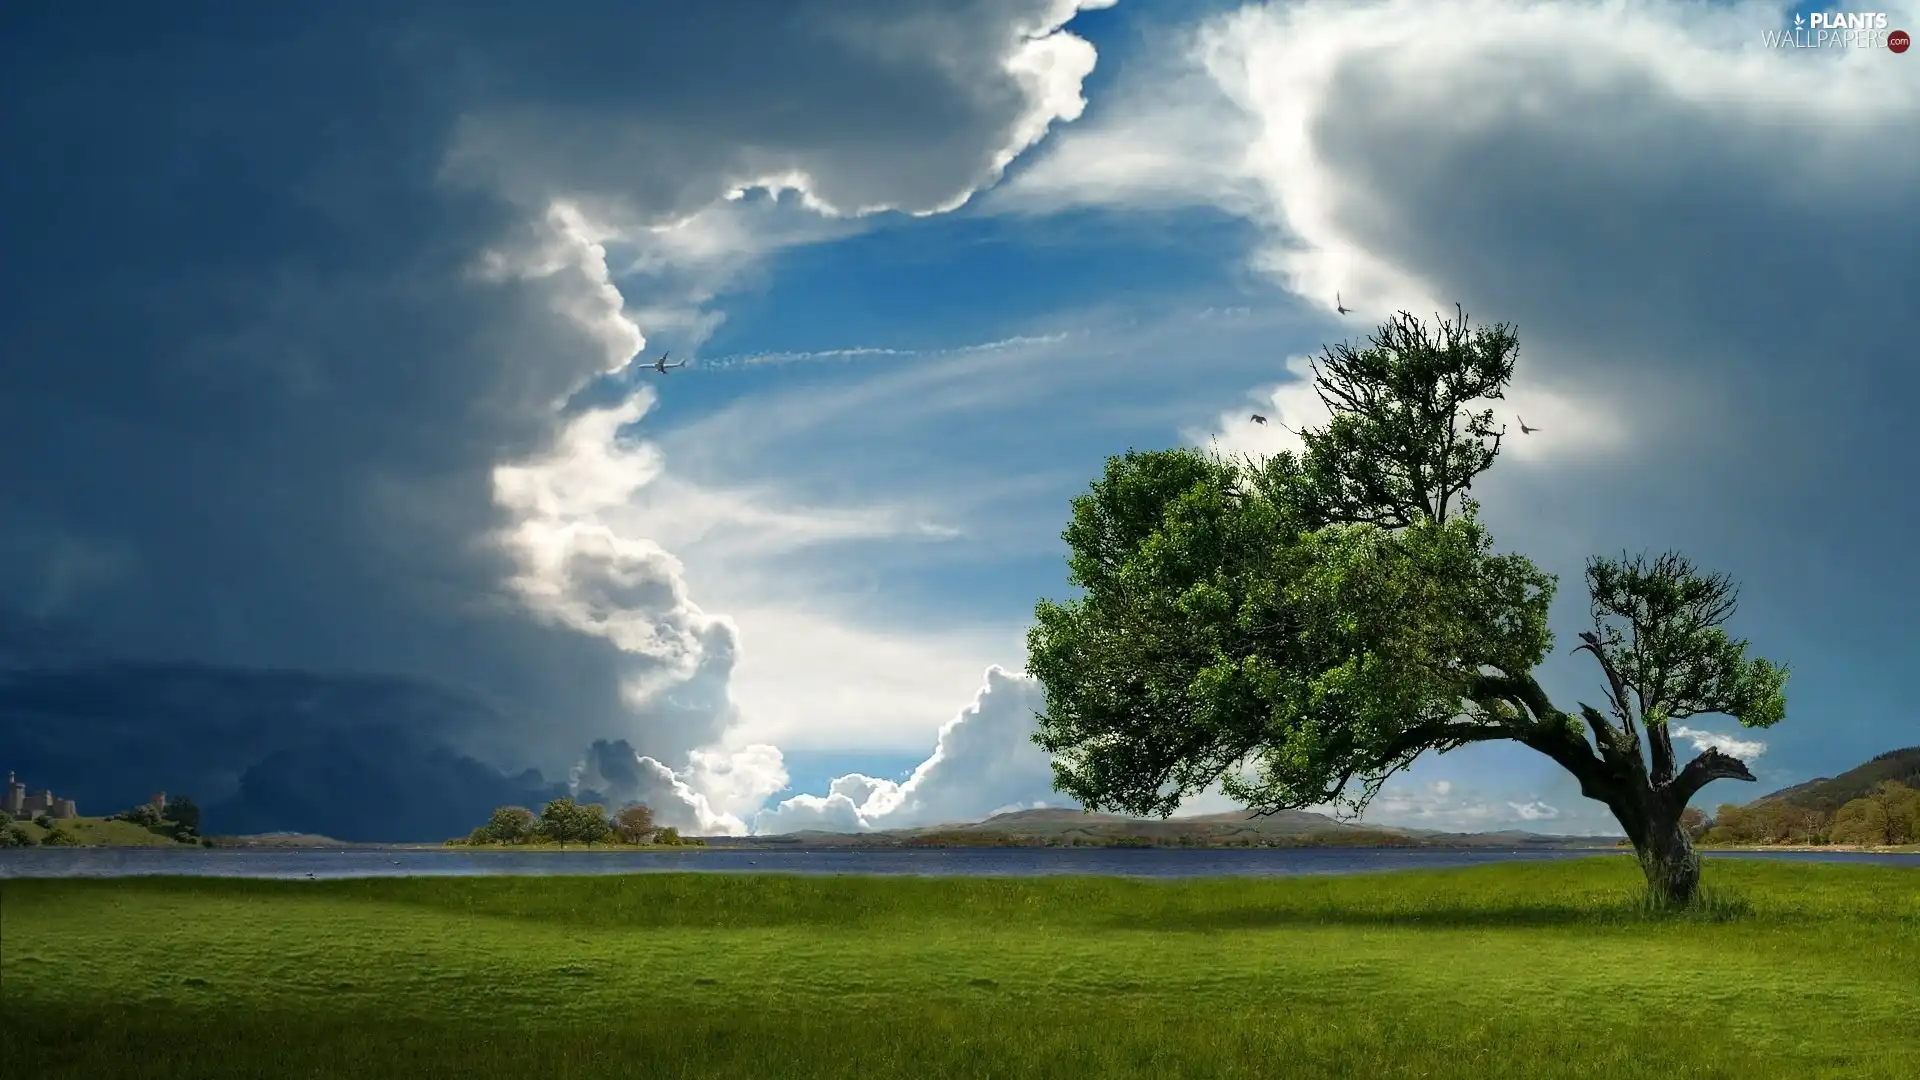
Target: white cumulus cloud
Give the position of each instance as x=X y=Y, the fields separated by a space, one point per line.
x=983 y=763
x=1534 y=811
x=1726 y=744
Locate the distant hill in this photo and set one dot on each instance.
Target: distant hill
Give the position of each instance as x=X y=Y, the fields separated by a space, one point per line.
x=279 y=840
x=100 y=832
x=1077 y=828
x=1830 y=793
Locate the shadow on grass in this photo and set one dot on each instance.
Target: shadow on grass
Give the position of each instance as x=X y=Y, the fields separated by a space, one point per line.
x=1712 y=906
x=1069 y=1039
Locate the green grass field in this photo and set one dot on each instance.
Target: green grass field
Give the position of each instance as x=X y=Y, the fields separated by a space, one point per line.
x=1518 y=970
x=99 y=832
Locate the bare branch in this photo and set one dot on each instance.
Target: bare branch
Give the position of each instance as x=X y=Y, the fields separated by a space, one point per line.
x=1616 y=689
x=1606 y=737
x=1711 y=765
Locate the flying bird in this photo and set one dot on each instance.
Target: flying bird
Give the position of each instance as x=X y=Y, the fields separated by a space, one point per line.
x=663 y=367
x=1524 y=429
x=1340 y=305
x=1258 y=419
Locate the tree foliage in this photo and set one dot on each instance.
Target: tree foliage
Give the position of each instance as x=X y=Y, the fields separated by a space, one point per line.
x=183 y=812
x=1658 y=636
x=1300 y=628
x=1237 y=630
x=563 y=821
x=1889 y=815
x=633 y=824
x=507 y=825
x=1405 y=440
x=1695 y=822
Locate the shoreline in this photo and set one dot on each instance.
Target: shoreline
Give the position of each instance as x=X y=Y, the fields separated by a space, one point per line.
x=769 y=845
x=390 y=848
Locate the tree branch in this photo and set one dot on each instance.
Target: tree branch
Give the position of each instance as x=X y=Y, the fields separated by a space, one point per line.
x=1605 y=735
x=1554 y=734
x=1660 y=742
x=1711 y=765
x=1616 y=689
x=1434 y=735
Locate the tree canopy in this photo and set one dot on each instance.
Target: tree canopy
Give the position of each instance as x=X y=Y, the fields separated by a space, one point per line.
x=1301 y=627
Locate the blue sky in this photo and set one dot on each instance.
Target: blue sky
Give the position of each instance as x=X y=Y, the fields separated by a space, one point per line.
x=317 y=363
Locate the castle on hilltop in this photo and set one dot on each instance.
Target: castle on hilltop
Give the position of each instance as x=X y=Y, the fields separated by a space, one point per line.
x=21 y=805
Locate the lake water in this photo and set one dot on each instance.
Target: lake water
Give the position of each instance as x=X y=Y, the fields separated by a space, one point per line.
x=965 y=862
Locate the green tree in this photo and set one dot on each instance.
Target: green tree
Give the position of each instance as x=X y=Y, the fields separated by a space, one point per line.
x=1732 y=825
x=557 y=820
x=634 y=824
x=58 y=837
x=184 y=812
x=1899 y=807
x=669 y=836
x=12 y=835
x=1695 y=822
x=508 y=825
x=1883 y=816
x=1302 y=627
x=592 y=826
x=565 y=822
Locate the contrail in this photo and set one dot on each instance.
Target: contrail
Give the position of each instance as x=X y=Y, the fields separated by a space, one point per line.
x=743 y=361
x=739 y=361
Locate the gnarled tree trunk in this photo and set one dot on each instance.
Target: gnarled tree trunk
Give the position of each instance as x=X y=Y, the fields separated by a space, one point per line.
x=1667 y=858
x=1648 y=807
x=1659 y=841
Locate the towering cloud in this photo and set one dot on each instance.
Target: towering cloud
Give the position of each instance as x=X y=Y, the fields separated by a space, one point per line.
x=287 y=385
x=984 y=762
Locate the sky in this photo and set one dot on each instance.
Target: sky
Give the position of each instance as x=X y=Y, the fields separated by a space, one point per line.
x=335 y=490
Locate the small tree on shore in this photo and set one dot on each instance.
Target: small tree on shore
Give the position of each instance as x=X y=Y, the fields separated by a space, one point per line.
x=507 y=825
x=1300 y=628
x=1695 y=822
x=565 y=822
x=183 y=812
x=634 y=824
x=593 y=826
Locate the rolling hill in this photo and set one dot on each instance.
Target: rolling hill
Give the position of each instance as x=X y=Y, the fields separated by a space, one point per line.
x=1830 y=793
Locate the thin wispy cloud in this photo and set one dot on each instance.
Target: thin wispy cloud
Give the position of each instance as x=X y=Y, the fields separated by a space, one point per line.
x=746 y=361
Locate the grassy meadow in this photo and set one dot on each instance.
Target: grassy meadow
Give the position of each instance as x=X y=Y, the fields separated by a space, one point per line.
x=1535 y=970
x=104 y=832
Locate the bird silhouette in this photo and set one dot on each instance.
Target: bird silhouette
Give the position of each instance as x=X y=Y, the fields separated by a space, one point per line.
x=1524 y=429
x=1258 y=419
x=663 y=367
x=1340 y=305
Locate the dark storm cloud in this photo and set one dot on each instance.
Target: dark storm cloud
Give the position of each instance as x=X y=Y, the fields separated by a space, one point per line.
x=1712 y=246
x=1743 y=282
x=1709 y=251
x=251 y=393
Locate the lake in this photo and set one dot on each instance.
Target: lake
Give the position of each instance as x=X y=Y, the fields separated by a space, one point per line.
x=964 y=862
